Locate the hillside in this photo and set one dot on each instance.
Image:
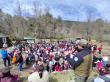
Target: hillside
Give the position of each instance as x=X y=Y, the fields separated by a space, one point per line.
x=46 y=26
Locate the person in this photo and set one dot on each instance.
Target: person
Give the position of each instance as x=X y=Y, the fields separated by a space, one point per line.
x=6 y=76
x=66 y=65
x=20 y=61
x=99 y=64
x=104 y=78
x=105 y=59
x=103 y=71
x=57 y=67
x=39 y=75
x=4 y=54
x=95 y=59
x=51 y=63
x=100 y=48
x=35 y=64
x=83 y=69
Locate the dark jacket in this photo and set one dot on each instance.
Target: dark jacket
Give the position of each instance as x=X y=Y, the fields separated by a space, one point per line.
x=84 y=68
x=19 y=59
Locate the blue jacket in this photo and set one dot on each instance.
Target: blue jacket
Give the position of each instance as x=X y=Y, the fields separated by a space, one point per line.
x=4 y=53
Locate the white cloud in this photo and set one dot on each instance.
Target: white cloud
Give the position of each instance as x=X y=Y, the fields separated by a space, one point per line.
x=67 y=9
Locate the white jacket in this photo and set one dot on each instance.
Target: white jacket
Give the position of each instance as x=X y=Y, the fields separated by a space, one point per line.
x=34 y=77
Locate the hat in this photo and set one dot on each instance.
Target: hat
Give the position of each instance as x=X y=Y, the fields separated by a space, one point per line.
x=83 y=42
x=5 y=45
x=6 y=69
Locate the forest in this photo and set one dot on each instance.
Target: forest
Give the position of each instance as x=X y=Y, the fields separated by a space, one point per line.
x=43 y=25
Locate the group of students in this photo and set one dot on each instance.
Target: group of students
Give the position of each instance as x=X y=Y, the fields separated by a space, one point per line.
x=55 y=57
x=51 y=55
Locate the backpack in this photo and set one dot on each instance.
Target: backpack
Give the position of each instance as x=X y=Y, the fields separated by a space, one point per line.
x=14 y=60
x=78 y=58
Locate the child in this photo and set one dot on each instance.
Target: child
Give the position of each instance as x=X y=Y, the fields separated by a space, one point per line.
x=99 y=64
x=57 y=67
x=105 y=60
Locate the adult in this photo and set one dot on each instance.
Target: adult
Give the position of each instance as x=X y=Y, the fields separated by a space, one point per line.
x=20 y=61
x=39 y=75
x=81 y=62
x=83 y=70
x=100 y=48
x=104 y=78
x=4 y=54
x=105 y=59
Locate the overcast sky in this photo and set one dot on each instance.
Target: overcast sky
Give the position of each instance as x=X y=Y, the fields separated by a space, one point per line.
x=66 y=9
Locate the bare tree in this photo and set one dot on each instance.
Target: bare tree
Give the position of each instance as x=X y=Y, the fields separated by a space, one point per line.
x=99 y=26
x=90 y=13
x=20 y=21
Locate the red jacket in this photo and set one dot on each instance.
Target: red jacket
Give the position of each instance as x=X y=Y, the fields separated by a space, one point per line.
x=57 y=68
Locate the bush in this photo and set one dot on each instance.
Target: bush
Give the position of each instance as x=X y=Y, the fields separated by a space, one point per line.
x=65 y=76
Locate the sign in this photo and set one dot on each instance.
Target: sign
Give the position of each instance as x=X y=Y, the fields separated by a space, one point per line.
x=4 y=40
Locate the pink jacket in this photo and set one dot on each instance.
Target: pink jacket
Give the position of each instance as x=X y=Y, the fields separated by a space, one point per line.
x=99 y=65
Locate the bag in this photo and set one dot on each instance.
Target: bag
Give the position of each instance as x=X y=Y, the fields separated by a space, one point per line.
x=14 y=60
x=78 y=58
x=75 y=61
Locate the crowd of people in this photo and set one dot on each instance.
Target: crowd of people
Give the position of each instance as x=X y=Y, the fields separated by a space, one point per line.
x=45 y=58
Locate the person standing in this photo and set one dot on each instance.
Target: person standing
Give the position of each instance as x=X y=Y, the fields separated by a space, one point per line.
x=82 y=71
x=81 y=62
x=4 y=54
x=100 y=48
x=20 y=61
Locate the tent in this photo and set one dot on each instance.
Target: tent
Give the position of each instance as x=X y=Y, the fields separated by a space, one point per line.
x=29 y=39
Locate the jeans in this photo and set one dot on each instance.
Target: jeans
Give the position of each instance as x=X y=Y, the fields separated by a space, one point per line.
x=5 y=61
x=80 y=79
x=20 y=66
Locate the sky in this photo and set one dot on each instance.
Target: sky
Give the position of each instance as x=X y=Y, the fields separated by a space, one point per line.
x=73 y=10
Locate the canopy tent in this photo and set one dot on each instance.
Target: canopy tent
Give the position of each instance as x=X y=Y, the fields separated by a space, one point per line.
x=29 y=39
x=4 y=40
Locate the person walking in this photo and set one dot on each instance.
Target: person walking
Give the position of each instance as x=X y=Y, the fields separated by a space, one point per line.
x=4 y=54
